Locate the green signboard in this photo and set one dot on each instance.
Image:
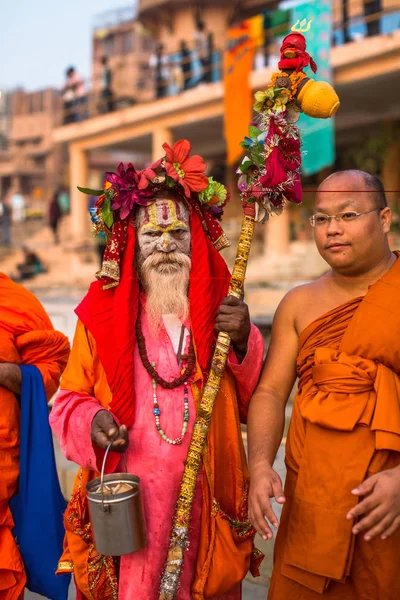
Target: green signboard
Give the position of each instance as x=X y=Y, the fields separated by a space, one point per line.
x=318 y=135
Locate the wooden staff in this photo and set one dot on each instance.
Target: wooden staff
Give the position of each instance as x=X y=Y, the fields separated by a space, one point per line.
x=183 y=509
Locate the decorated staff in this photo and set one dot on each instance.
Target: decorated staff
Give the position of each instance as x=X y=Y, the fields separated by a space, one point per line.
x=269 y=178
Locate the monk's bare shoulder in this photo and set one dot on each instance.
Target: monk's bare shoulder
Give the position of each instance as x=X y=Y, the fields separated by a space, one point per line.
x=304 y=303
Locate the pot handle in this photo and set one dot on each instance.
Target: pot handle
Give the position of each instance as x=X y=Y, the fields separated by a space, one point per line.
x=103 y=467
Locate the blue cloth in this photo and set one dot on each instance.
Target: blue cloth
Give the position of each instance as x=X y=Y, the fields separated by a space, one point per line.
x=38 y=507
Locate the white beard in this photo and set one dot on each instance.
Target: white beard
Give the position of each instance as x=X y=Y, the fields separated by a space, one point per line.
x=165 y=279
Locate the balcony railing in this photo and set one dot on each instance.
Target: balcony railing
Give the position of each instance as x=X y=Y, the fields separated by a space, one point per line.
x=113 y=18
x=172 y=74
x=375 y=19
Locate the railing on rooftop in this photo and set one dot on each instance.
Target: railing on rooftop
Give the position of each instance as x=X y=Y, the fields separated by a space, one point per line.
x=175 y=73
x=113 y=18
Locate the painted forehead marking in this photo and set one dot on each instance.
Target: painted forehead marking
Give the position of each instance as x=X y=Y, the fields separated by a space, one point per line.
x=165 y=213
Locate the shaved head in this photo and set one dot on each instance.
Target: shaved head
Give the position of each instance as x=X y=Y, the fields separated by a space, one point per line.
x=352 y=245
x=357 y=181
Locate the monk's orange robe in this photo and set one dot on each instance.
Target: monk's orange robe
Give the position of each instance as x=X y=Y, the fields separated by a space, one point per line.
x=345 y=427
x=26 y=337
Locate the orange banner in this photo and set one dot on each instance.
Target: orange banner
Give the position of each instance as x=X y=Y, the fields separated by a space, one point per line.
x=238 y=99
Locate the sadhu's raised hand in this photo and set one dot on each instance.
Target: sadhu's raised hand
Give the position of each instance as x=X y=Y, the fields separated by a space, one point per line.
x=233 y=317
x=379 y=510
x=265 y=483
x=105 y=429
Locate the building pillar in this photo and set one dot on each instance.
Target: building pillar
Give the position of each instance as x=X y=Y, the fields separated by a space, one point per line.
x=160 y=136
x=80 y=222
x=277 y=235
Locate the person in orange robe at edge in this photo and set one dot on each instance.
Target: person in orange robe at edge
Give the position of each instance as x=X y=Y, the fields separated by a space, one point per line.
x=26 y=337
x=339 y=533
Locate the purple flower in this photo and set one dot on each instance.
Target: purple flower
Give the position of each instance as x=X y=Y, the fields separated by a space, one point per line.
x=125 y=184
x=216 y=211
x=242 y=182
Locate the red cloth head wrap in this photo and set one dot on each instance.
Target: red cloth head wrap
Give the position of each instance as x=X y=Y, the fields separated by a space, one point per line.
x=297 y=43
x=110 y=314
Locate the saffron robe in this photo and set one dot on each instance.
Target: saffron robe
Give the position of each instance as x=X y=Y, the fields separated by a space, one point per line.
x=345 y=427
x=84 y=390
x=26 y=337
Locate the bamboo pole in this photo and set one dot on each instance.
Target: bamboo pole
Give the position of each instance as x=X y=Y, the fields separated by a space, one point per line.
x=180 y=530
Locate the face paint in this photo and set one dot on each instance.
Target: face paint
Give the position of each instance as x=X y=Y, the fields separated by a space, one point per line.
x=163 y=227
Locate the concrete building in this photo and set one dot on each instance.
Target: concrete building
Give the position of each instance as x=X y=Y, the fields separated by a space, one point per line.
x=128 y=46
x=365 y=62
x=31 y=162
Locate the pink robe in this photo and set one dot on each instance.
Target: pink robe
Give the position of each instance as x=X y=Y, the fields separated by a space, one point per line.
x=158 y=464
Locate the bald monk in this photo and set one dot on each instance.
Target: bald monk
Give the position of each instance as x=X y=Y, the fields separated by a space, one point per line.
x=27 y=337
x=339 y=534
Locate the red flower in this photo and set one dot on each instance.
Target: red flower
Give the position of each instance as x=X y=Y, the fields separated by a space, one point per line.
x=189 y=172
x=126 y=185
x=147 y=174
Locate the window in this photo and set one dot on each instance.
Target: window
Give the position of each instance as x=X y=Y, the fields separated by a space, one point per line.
x=147 y=43
x=127 y=42
x=109 y=45
x=145 y=76
x=39 y=102
x=38 y=161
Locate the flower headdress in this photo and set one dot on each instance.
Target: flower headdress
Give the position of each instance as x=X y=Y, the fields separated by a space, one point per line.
x=269 y=175
x=128 y=188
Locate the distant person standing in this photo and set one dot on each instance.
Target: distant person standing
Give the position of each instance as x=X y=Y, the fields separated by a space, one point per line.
x=159 y=63
x=73 y=94
x=63 y=201
x=373 y=7
x=186 y=63
x=55 y=215
x=209 y=60
x=5 y=219
x=345 y=20
x=17 y=207
x=106 y=95
x=201 y=47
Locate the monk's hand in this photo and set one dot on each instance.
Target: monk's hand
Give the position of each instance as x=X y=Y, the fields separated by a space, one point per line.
x=105 y=429
x=379 y=510
x=265 y=483
x=233 y=318
x=11 y=377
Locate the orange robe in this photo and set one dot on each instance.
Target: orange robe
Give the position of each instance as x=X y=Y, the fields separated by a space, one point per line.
x=345 y=427
x=26 y=337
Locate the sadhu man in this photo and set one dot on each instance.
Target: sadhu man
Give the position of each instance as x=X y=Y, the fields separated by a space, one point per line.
x=339 y=534
x=27 y=337
x=140 y=356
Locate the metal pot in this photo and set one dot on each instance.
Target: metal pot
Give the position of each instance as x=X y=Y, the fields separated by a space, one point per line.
x=117 y=519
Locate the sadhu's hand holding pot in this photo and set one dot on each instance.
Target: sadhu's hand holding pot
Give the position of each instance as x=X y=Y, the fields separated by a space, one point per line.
x=115 y=501
x=106 y=430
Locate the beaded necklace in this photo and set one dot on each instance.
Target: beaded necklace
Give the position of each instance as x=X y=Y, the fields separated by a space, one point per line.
x=156 y=379
x=150 y=367
x=157 y=412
